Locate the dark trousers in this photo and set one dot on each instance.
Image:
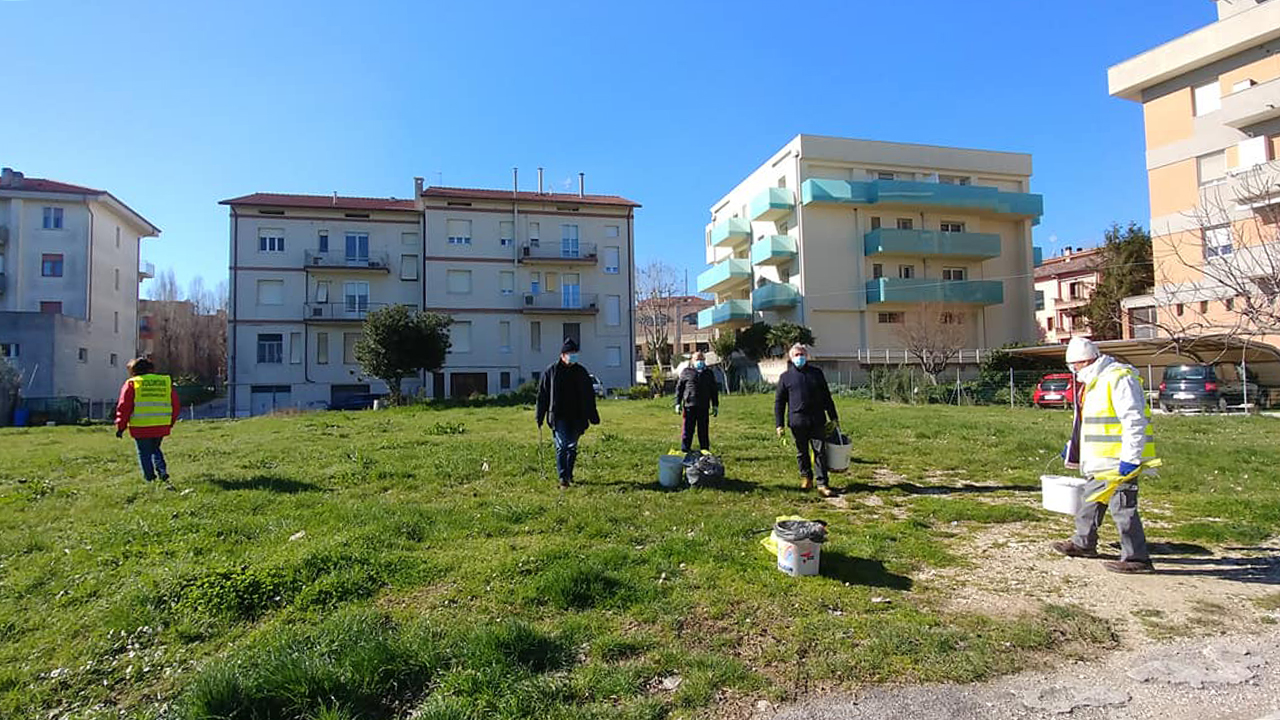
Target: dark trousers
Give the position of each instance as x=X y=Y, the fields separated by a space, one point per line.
x=809 y=434
x=699 y=418
x=151 y=459
x=565 y=435
x=1124 y=510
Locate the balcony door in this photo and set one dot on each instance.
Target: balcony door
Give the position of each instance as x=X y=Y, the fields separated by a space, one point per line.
x=357 y=248
x=569 y=241
x=570 y=290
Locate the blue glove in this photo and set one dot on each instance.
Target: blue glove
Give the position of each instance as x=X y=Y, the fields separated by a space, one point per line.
x=1065 y=448
x=1127 y=469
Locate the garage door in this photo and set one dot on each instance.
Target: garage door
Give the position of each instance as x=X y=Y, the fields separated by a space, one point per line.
x=267 y=398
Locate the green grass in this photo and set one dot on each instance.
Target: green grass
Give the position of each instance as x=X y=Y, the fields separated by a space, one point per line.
x=373 y=565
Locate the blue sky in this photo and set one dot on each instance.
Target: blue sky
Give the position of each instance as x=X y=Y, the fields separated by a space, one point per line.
x=173 y=106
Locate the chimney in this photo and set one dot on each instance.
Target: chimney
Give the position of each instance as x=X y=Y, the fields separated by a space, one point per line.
x=1066 y=251
x=539 y=181
x=417 y=187
x=6 y=177
x=335 y=198
x=582 y=184
x=515 y=179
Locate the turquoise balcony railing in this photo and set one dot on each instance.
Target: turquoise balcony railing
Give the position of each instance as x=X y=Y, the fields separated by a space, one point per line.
x=729 y=312
x=972 y=198
x=724 y=275
x=773 y=250
x=730 y=232
x=771 y=204
x=774 y=295
x=923 y=290
x=888 y=241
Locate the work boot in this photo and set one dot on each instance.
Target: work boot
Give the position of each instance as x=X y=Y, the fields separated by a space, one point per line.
x=826 y=491
x=806 y=483
x=564 y=483
x=1070 y=549
x=1129 y=567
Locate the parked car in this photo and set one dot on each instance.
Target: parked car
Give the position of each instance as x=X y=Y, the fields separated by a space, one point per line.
x=355 y=401
x=1055 y=390
x=1204 y=387
x=597 y=386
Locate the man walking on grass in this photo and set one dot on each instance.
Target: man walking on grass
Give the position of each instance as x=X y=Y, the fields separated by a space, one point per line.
x=803 y=389
x=697 y=397
x=567 y=402
x=1110 y=442
x=148 y=407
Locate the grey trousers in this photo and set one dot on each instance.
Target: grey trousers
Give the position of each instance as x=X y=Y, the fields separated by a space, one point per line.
x=1124 y=510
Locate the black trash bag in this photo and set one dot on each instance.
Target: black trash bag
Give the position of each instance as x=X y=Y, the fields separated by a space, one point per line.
x=796 y=530
x=704 y=469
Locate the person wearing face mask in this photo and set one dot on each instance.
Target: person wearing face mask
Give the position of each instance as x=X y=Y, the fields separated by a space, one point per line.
x=568 y=404
x=1111 y=441
x=803 y=390
x=697 y=397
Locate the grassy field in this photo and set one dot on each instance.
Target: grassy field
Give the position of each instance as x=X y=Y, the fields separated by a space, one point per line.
x=377 y=564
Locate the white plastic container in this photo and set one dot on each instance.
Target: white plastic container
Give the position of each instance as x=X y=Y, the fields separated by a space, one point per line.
x=670 y=470
x=1061 y=493
x=798 y=558
x=838 y=456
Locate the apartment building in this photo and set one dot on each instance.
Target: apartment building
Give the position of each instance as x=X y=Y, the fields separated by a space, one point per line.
x=69 y=276
x=1063 y=285
x=684 y=336
x=518 y=271
x=1211 y=110
x=850 y=236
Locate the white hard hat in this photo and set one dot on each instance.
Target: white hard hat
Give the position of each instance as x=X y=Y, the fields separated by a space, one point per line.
x=1081 y=349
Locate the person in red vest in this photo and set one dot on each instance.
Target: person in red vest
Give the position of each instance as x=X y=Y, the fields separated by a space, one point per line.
x=148 y=408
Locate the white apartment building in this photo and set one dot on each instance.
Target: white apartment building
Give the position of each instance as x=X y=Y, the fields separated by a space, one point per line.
x=69 y=277
x=849 y=236
x=518 y=271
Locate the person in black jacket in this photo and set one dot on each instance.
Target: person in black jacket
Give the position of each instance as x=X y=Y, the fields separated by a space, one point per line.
x=803 y=389
x=697 y=394
x=567 y=402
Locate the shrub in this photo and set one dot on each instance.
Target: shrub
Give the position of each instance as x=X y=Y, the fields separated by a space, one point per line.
x=638 y=392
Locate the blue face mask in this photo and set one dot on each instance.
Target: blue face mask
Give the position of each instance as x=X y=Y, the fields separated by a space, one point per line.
x=573 y=358
x=700 y=364
x=799 y=360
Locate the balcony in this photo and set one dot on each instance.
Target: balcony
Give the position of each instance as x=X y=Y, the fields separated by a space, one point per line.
x=730 y=313
x=964 y=198
x=351 y=310
x=773 y=250
x=331 y=261
x=731 y=232
x=557 y=253
x=917 y=243
x=146 y=271
x=772 y=204
x=561 y=303
x=4 y=283
x=935 y=290
x=773 y=296
x=1252 y=105
x=724 y=275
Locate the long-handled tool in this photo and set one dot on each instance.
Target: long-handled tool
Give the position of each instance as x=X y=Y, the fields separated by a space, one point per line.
x=542 y=468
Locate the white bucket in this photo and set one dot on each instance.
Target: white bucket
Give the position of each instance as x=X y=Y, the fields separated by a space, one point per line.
x=798 y=558
x=1061 y=493
x=838 y=456
x=670 y=470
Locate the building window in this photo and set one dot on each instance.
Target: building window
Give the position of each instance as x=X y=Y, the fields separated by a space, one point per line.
x=9 y=350
x=572 y=331
x=322 y=292
x=1039 y=300
x=906 y=272
x=953 y=180
x=51 y=265
x=506 y=233
x=1229 y=304
x=1208 y=97
x=613 y=310
x=889 y=318
x=906 y=223
x=504 y=380
x=322 y=348
x=885 y=175
x=535 y=279
x=951 y=318
x=270 y=292
x=408 y=267
x=1212 y=168
x=355 y=296
x=322 y=241
x=458 y=282
x=460 y=337
x=875 y=222
x=114 y=361
x=1217 y=242
x=349 y=341
x=295 y=348
x=504 y=336
x=570 y=291
x=357 y=250
x=569 y=241
x=115 y=318
x=1075 y=290
x=506 y=282
x=270 y=240
x=52 y=218
x=409 y=239
x=535 y=336
x=1178 y=309
x=877 y=271
x=611 y=231
x=270 y=348
x=952 y=273
x=83 y=355
x=459 y=232
x=1048 y=324
x=1204 y=306
x=51 y=307
x=613 y=356
x=117 y=279
x=951 y=226
x=534 y=234
x=117 y=237
x=611 y=260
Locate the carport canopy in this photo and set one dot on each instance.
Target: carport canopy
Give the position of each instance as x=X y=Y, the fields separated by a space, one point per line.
x=1259 y=357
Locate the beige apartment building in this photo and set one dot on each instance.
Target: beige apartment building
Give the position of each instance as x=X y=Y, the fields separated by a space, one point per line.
x=69 y=275
x=1063 y=285
x=519 y=271
x=1211 y=109
x=849 y=237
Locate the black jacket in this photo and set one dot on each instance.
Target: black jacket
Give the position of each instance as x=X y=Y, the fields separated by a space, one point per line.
x=697 y=389
x=805 y=392
x=565 y=393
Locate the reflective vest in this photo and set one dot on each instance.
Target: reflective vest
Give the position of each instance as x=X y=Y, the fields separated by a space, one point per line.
x=152 y=401
x=1101 y=431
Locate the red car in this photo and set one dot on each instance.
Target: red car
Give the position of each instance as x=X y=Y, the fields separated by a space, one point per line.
x=1055 y=390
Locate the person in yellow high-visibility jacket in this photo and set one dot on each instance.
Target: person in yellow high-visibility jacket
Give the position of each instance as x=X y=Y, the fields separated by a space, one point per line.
x=1111 y=443
x=147 y=408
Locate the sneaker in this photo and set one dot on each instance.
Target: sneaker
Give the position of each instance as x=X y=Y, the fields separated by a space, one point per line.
x=1070 y=549
x=826 y=491
x=164 y=477
x=806 y=483
x=1129 y=567
x=564 y=484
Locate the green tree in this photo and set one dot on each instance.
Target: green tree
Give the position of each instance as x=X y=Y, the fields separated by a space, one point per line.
x=754 y=341
x=399 y=341
x=1125 y=269
x=785 y=334
x=725 y=343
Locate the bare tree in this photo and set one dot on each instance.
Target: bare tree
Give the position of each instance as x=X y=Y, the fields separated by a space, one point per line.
x=190 y=332
x=657 y=310
x=934 y=334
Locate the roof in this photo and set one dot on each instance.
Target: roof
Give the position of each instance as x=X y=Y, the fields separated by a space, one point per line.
x=482 y=194
x=1162 y=352
x=338 y=202
x=1082 y=261
x=16 y=181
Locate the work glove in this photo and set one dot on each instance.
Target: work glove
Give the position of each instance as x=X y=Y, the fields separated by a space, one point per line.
x=677 y=409
x=779 y=429
x=119 y=434
x=1065 y=448
x=1127 y=469
x=715 y=411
